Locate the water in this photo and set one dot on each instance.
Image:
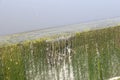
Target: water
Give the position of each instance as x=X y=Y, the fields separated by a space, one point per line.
x=26 y=15
x=93 y=55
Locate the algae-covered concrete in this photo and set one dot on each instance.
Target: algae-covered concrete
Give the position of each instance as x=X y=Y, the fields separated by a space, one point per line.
x=89 y=51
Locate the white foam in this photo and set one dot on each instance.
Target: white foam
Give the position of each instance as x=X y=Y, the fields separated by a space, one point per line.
x=114 y=78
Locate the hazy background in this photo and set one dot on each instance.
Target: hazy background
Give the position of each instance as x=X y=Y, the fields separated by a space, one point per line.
x=25 y=15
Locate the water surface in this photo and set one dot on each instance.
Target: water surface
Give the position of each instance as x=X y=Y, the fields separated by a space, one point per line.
x=26 y=15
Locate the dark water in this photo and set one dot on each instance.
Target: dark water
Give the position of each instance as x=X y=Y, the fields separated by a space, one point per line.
x=24 y=15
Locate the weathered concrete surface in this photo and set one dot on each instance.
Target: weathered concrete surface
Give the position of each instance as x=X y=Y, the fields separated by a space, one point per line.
x=64 y=53
x=48 y=32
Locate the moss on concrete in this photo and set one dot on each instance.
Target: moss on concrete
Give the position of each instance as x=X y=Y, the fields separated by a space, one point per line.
x=95 y=55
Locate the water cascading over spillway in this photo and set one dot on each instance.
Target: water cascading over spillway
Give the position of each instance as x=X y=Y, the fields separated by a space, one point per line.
x=87 y=55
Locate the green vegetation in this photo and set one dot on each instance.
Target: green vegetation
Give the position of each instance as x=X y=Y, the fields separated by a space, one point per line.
x=95 y=55
x=99 y=51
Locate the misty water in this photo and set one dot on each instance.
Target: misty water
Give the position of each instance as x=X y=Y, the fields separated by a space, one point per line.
x=83 y=56
x=26 y=15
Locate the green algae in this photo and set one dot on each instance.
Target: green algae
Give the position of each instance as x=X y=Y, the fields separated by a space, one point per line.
x=95 y=55
x=103 y=58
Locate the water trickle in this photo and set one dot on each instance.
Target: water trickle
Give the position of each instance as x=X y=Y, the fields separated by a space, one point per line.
x=93 y=55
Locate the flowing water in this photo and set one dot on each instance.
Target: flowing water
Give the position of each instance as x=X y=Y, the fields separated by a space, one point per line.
x=93 y=55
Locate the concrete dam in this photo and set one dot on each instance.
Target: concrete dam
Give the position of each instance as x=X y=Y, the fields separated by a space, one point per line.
x=87 y=51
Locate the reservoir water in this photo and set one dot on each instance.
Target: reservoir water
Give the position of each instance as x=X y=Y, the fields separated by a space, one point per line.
x=90 y=55
x=26 y=15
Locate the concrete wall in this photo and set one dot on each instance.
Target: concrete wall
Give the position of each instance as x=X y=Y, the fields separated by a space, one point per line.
x=63 y=53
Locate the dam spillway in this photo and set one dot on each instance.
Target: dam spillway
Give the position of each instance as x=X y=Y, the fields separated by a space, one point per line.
x=88 y=51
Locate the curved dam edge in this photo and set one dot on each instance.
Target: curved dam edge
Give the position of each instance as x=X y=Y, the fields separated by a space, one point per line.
x=50 y=33
x=76 y=52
